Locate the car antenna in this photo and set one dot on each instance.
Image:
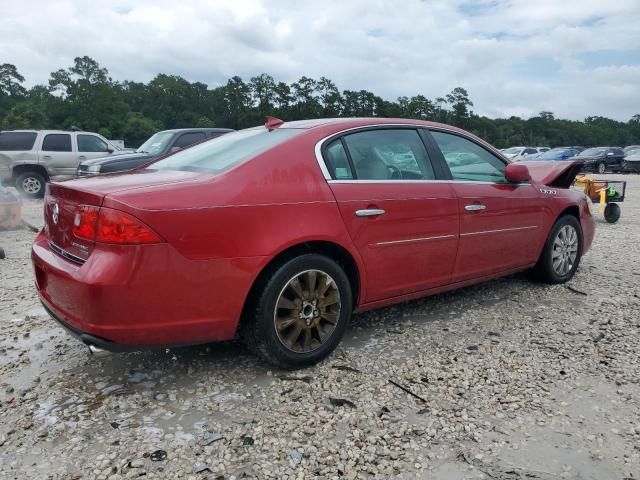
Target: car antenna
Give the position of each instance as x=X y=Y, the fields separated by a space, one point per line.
x=272 y=122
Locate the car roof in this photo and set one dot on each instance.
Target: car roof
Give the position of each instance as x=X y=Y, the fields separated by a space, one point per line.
x=187 y=130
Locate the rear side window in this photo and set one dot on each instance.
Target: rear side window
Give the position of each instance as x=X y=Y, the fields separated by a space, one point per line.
x=468 y=161
x=337 y=161
x=15 y=141
x=226 y=151
x=389 y=154
x=57 y=142
x=91 y=143
x=187 y=139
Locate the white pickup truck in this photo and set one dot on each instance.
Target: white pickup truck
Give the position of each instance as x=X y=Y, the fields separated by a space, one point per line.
x=30 y=158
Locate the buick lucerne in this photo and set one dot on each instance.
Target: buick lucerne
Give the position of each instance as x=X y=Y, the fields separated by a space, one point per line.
x=279 y=233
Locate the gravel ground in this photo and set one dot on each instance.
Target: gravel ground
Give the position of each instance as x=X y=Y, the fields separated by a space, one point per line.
x=509 y=379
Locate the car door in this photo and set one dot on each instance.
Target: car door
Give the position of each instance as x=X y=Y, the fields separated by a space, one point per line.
x=403 y=223
x=91 y=146
x=500 y=223
x=57 y=154
x=615 y=156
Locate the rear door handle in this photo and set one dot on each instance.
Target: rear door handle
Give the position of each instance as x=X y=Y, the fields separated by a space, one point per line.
x=369 y=212
x=474 y=207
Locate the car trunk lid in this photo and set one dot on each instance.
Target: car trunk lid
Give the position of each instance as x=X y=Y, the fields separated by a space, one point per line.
x=64 y=200
x=553 y=174
x=61 y=204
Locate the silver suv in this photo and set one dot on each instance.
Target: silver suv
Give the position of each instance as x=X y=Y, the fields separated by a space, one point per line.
x=30 y=158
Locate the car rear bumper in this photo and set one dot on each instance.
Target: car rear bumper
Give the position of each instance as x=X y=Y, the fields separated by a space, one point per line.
x=131 y=297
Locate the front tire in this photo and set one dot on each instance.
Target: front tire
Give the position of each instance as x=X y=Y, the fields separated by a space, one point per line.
x=31 y=184
x=562 y=252
x=300 y=313
x=602 y=168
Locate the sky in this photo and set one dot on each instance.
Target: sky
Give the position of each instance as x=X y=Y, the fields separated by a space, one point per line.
x=575 y=58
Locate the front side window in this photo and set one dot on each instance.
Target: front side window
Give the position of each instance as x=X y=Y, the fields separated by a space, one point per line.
x=17 y=141
x=57 y=142
x=91 y=143
x=187 y=139
x=224 y=152
x=389 y=154
x=468 y=161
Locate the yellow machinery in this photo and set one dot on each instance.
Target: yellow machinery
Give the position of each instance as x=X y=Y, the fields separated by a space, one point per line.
x=606 y=193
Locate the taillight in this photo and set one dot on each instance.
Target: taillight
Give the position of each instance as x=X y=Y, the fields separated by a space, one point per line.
x=106 y=225
x=85 y=222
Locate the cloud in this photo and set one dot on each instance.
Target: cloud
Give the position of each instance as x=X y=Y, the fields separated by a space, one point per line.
x=516 y=57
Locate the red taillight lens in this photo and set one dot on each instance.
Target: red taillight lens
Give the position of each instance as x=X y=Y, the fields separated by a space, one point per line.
x=106 y=225
x=115 y=226
x=85 y=222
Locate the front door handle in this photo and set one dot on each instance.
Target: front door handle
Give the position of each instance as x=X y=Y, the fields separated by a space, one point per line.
x=474 y=207
x=369 y=212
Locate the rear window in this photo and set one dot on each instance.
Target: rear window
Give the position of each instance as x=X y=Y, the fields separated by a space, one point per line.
x=14 y=141
x=226 y=151
x=57 y=142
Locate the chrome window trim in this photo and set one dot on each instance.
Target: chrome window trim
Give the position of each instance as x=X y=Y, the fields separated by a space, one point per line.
x=472 y=182
x=327 y=174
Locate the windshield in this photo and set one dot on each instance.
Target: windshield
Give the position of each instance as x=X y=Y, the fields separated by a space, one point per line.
x=156 y=144
x=224 y=152
x=512 y=150
x=590 y=152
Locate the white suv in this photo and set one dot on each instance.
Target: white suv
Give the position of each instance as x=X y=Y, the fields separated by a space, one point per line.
x=30 y=158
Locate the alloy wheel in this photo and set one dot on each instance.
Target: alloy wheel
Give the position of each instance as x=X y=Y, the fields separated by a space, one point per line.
x=31 y=185
x=602 y=168
x=565 y=250
x=307 y=311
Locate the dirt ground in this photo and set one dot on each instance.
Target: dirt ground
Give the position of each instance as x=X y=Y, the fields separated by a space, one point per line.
x=509 y=379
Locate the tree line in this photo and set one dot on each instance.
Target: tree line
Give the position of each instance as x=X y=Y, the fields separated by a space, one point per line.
x=85 y=96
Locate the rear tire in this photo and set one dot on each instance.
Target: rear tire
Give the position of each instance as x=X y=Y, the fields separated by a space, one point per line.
x=301 y=313
x=31 y=184
x=602 y=168
x=562 y=252
x=612 y=212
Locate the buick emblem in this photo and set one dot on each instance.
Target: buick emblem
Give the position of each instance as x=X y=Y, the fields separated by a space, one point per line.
x=55 y=214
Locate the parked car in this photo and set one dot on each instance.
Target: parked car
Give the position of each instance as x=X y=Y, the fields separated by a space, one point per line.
x=29 y=158
x=281 y=232
x=557 y=154
x=601 y=159
x=628 y=149
x=519 y=153
x=158 y=145
x=631 y=161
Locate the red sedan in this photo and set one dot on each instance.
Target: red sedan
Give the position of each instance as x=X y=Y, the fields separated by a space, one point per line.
x=280 y=232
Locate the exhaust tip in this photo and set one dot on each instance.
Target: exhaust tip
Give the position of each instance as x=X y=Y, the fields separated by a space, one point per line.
x=98 y=352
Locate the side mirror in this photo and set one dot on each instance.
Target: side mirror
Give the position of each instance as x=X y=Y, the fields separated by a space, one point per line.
x=174 y=149
x=517 y=173
x=110 y=150
x=610 y=154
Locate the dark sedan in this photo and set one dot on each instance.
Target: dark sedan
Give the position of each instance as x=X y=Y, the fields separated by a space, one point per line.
x=601 y=159
x=160 y=144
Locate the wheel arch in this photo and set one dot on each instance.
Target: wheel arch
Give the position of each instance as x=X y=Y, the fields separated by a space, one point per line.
x=29 y=167
x=330 y=249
